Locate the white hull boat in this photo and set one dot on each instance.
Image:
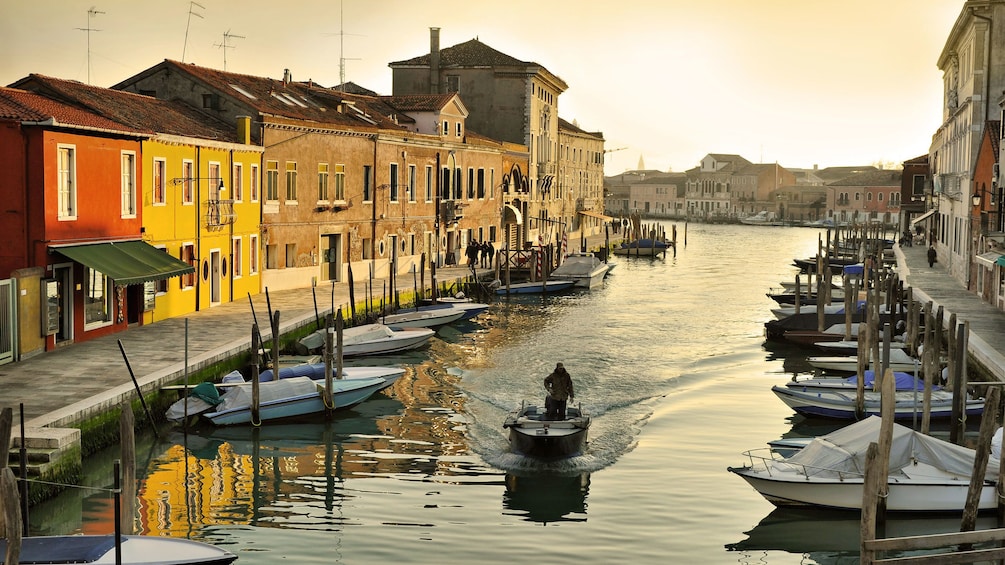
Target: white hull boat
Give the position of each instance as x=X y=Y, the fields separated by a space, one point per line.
x=134 y=550
x=841 y=403
x=899 y=361
x=902 y=381
x=469 y=309
x=372 y=339
x=539 y=287
x=584 y=268
x=926 y=474
x=422 y=318
x=844 y=347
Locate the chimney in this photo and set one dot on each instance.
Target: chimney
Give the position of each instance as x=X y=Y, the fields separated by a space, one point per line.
x=286 y=77
x=434 y=60
x=244 y=130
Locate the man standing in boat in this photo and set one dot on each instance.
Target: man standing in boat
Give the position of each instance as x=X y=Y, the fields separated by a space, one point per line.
x=559 y=387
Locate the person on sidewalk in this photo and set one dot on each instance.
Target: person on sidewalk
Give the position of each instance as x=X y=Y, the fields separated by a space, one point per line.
x=559 y=387
x=932 y=256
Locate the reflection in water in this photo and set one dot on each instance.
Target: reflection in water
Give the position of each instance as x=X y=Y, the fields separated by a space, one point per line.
x=547 y=497
x=832 y=537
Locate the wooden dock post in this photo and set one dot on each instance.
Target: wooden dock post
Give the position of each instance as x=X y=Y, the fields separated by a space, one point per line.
x=6 y=428
x=127 y=441
x=255 y=385
x=12 y=514
x=870 y=498
x=989 y=423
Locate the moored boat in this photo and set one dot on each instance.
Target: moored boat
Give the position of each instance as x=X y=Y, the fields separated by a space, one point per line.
x=537 y=287
x=926 y=474
x=584 y=268
x=371 y=339
x=133 y=550
x=841 y=404
x=532 y=434
x=422 y=318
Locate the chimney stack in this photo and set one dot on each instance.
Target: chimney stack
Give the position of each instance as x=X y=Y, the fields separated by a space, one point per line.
x=434 y=60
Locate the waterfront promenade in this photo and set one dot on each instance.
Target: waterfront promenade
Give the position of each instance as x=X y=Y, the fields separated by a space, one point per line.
x=61 y=388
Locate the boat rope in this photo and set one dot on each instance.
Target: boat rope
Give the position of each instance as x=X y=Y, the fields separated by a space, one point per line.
x=65 y=485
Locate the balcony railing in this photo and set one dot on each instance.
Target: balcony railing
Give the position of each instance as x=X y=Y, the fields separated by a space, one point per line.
x=219 y=213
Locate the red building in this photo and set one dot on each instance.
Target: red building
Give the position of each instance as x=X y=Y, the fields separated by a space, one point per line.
x=71 y=229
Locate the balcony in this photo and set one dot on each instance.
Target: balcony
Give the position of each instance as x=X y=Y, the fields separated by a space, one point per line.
x=219 y=213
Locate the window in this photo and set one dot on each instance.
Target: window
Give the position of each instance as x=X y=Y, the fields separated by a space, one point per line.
x=429 y=183
x=446 y=127
x=98 y=293
x=459 y=128
x=445 y=184
x=188 y=256
x=322 y=182
x=492 y=185
x=237 y=183
x=367 y=248
x=271 y=256
x=187 y=174
x=411 y=183
x=272 y=180
x=291 y=181
x=471 y=183
x=236 y=260
x=161 y=286
x=453 y=83
x=128 y=184
x=481 y=184
x=159 y=187
x=67 y=182
x=340 y=183
x=254 y=183
x=214 y=181
x=458 y=187
x=252 y=254
x=394 y=182
x=367 y=184
x=291 y=254
x=918 y=185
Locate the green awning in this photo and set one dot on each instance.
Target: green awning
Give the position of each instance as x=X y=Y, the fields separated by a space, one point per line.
x=1000 y=261
x=127 y=262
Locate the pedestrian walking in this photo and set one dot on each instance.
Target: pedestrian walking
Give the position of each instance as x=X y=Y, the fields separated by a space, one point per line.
x=491 y=249
x=932 y=256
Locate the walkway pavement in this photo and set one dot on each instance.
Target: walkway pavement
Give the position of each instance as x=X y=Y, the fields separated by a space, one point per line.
x=63 y=387
x=987 y=323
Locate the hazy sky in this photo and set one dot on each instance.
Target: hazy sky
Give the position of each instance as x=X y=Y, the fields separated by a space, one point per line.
x=800 y=82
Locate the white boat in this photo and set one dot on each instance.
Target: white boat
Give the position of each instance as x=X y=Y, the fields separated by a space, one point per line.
x=470 y=309
x=841 y=403
x=293 y=395
x=643 y=248
x=134 y=550
x=925 y=474
x=533 y=435
x=899 y=361
x=762 y=218
x=422 y=318
x=845 y=347
x=786 y=310
x=537 y=287
x=902 y=381
x=371 y=339
x=585 y=268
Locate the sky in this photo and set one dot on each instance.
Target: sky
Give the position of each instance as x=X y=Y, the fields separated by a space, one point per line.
x=801 y=83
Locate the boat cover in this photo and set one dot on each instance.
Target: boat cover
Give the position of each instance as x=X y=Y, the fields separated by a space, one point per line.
x=240 y=396
x=844 y=451
x=902 y=381
x=62 y=549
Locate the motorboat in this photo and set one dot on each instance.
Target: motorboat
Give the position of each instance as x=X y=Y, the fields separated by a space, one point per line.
x=470 y=309
x=762 y=218
x=532 y=434
x=422 y=318
x=899 y=361
x=643 y=248
x=786 y=310
x=926 y=474
x=841 y=403
x=300 y=391
x=537 y=287
x=133 y=550
x=585 y=268
x=371 y=339
x=902 y=381
x=850 y=347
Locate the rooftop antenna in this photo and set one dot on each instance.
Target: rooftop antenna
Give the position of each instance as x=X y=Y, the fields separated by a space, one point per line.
x=227 y=35
x=90 y=14
x=191 y=6
x=341 y=44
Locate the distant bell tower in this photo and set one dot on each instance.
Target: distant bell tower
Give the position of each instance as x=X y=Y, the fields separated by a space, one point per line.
x=642 y=164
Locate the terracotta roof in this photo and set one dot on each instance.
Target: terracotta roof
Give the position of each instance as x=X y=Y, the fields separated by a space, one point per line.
x=353 y=88
x=994 y=132
x=418 y=102
x=875 y=177
x=284 y=98
x=24 y=106
x=161 y=116
x=471 y=53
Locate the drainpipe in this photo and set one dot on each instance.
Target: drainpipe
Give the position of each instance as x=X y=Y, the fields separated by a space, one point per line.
x=198 y=225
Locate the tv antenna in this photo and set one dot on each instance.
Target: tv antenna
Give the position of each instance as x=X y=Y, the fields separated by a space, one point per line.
x=226 y=36
x=90 y=14
x=188 y=24
x=341 y=43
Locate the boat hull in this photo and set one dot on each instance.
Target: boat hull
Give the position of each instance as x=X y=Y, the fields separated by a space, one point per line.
x=536 y=287
x=841 y=405
x=846 y=494
x=346 y=395
x=135 y=550
x=422 y=319
x=531 y=435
